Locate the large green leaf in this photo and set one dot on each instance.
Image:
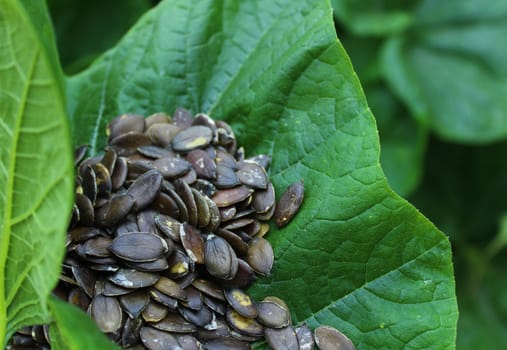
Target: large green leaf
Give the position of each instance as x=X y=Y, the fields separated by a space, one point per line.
x=357 y=256
x=450 y=70
x=35 y=170
x=74 y=330
x=402 y=139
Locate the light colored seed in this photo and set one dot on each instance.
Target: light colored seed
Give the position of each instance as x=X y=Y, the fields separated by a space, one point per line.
x=329 y=338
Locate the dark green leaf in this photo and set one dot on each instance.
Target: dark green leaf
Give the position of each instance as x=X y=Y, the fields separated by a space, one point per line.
x=450 y=70
x=74 y=330
x=356 y=256
x=85 y=29
x=464 y=189
x=403 y=141
x=35 y=171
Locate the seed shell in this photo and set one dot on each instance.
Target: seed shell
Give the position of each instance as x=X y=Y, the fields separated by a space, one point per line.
x=289 y=203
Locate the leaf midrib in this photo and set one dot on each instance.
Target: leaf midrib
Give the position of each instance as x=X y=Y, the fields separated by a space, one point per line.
x=9 y=188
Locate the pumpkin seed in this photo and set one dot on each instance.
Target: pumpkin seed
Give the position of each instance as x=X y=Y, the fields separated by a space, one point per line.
x=273 y=315
x=139 y=247
x=305 y=337
x=329 y=338
x=145 y=189
x=219 y=258
x=241 y=302
x=172 y=167
x=260 y=256
x=202 y=163
x=124 y=124
x=191 y=138
x=130 y=278
x=289 y=203
x=155 y=339
x=154 y=312
x=282 y=338
x=244 y=325
x=253 y=175
x=134 y=303
x=106 y=313
x=192 y=242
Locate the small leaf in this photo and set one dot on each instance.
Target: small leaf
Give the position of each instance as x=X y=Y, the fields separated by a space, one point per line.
x=356 y=256
x=35 y=170
x=74 y=330
x=451 y=72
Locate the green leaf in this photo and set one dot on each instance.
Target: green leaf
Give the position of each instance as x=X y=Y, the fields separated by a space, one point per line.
x=95 y=25
x=356 y=256
x=373 y=17
x=402 y=139
x=36 y=184
x=74 y=330
x=450 y=70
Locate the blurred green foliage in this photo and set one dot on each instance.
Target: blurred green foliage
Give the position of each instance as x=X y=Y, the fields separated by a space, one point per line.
x=435 y=77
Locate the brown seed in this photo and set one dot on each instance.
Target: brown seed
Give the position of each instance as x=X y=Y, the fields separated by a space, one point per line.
x=145 y=189
x=209 y=288
x=160 y=264
x=305 y=337
x=205 y=187
x=192 y=242
x=282 y=338
x=78 y=297
x=260 y=256
x=214 y=221
x=119 y=173
x=239 y=223
x=166 y=205
x=225 y=177
x=162 y=134
x=139 y=247
x=124 y=124
x=219 y=258
x=182 y=208
x=79 y=154
x=129 y=278
x=273 y=315
x=263 y=200
x=203 y=211
x=182 y=118
x=191 y=138
x=136 y=168
x=115 y=210
x=89 y=183
x=85 y=206
x=175 y=323
x=95 y=247
x=227 y=213
x=85 y=279
x=245 y=276
x=227 y=344
x=168 y=226
x=262 y=159
x=194 y=298
x=170 y=288
x=112 y=290
x=103 y=178
x=179 y=264
x=202 y=163
x=244 y=325
x=169 y=302
x=228 y=197
x=83 y=233
x=134 y=303
x=329 y=338
x=172 y=167
x=289 y=203
x=155 y=152
x=241 y=302
x=185 y=193
x=127 y=144
x=253 y=175
x=157 y=118
x=190 y=177
x=189 y=342
x=130 y=334
x=154 y=312
x=201 y=318
x=106 y=313
x=239 y=246
x=155 y=339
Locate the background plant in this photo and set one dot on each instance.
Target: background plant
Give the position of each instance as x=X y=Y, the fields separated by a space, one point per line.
x=276 y=72
x=434 y=76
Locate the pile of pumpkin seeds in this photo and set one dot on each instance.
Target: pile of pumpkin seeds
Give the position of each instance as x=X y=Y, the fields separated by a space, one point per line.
x=167 y=232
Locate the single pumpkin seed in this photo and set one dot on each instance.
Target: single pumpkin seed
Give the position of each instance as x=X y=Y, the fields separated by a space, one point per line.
x=289 y=203
x=329 y=338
